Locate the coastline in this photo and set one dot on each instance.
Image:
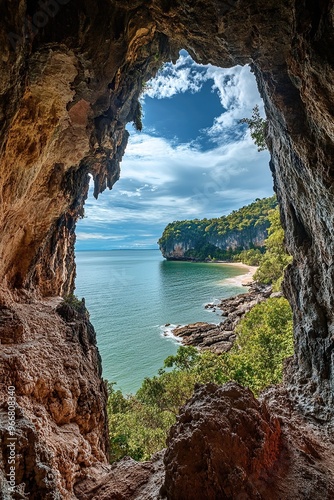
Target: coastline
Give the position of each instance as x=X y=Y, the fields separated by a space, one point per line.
x=243 y=279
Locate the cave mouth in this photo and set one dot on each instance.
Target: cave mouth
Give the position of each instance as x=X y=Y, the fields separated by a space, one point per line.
x=79 y=103
x=192 y=160
x=68 y=88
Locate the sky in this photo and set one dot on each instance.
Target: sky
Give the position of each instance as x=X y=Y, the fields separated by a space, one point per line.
x=193 y=159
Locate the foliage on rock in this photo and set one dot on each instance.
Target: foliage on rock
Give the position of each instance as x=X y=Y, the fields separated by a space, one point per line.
x=209 y=238
x=138 y=424
x=257 y=126
x=251 y=257
x=138 y=118
x=275 y=259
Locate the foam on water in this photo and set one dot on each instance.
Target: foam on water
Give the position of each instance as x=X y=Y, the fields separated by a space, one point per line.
x=167 y=332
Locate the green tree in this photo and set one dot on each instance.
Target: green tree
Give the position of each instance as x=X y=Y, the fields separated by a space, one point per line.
x=251 y=257
x=138 y=424
x=264 y=340
x=184 y=359
x=275 y=259
x=257 y=126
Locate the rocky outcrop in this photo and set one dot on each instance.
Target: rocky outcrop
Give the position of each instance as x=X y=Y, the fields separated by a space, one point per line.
x=220 y=338
x=70 y=75
x=197 y=458
x=50 y=365
x=226 y=444
x=234 y=240
x=221 y=237
x=206 y=336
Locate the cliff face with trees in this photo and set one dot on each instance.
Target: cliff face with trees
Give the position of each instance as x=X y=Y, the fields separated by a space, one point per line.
x=219 y=238
x=70 y=75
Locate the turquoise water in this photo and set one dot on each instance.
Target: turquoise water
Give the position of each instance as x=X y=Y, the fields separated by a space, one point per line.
x=132 y=294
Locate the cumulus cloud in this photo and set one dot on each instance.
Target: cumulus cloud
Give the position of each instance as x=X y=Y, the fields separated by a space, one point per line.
x=238 y=95
x=181 y=181
x=163 y=180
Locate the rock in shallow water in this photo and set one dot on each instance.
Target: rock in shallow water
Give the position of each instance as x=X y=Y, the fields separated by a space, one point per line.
x=220 y=338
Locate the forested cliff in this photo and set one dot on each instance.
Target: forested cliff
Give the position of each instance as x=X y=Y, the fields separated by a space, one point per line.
x=219 y=238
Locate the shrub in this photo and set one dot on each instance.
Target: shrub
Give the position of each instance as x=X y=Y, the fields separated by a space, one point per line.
x=138 y=424
x=275 y=259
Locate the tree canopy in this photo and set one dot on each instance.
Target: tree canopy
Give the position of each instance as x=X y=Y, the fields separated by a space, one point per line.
x=275 y=258
x=207 y=237
x=138 y=424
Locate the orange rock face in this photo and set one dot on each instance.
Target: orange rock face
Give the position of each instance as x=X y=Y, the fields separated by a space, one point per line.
x=60 y=418
x=224 y=442
x=227 y=445
x=67 y=89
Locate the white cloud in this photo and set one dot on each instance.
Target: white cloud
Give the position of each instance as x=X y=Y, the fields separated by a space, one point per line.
x=182 y=77
x=81 y=236
x=236 y=88
x=130 y=194
x=238 y=95
x=162 y=180
x=170 y=182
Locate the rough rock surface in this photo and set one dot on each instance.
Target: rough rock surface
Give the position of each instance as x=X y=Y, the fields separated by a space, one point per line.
x=69 y=82
x=206 y=336
x=227 y=445
x=48 y=353
x=125 y=480
x=220 y=338
x=221 y=445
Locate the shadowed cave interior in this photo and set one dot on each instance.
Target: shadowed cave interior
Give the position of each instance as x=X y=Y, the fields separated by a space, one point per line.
x=70 y=81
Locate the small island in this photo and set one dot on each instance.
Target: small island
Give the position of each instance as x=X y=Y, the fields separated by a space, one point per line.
x=226 y=238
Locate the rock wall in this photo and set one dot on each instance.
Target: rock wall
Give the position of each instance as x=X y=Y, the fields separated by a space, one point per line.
x=233 y=240
x=50 y=365
x=70 y=75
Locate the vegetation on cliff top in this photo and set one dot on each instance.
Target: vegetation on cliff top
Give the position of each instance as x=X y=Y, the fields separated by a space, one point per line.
x=138 y=424
x=204 y=235
x=275 y=258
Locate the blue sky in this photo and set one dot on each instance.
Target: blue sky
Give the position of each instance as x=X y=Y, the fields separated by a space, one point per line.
x=193 y=159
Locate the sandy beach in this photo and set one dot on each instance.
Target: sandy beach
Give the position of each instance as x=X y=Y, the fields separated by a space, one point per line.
x=242 y=279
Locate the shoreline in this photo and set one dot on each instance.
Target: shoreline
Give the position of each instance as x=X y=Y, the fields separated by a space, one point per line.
x=219 y=338
x=242 y=279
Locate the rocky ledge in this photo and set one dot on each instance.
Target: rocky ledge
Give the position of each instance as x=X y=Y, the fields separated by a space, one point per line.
x=226 y=444
x=219 y=338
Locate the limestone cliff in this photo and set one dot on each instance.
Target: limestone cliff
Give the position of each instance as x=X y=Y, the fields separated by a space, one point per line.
x=219 y=238
x=70 y=75
x=224 y=246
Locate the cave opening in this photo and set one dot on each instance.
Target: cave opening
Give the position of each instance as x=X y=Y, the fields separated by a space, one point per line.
x=67 y=90
x=193 y=159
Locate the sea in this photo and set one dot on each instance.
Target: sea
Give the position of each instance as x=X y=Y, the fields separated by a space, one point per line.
x=133 y=294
